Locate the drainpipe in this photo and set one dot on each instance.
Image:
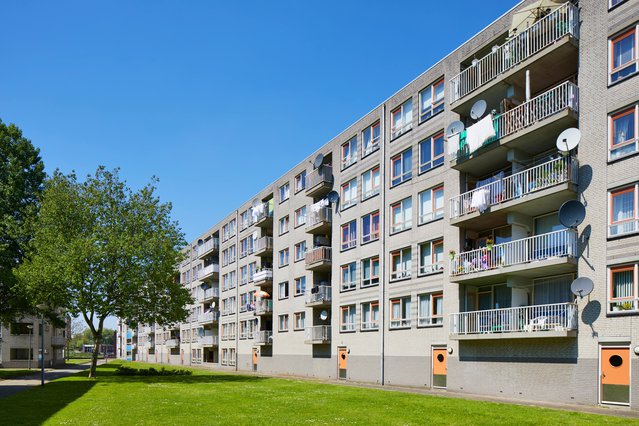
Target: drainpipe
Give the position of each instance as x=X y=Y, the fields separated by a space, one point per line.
x=382 y=263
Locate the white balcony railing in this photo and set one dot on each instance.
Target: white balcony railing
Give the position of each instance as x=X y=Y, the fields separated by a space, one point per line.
x=622 y=228
x=562 y=243
x=213 y=268
x=263 y=337
x=263 y=211
x=317 y=334
x=208 y=317
x=264 y=244
x=209 y=293
x=530 y=319
x=319 y=216
x=207 y=246
x=543 y=33
x=263 y=275
x=520 y=184
x=264 y=306
x=172 y=343
x=319 y=294
x=209 y=340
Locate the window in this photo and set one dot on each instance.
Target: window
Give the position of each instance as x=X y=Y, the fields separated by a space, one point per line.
x=431 y=204
x=232 y=254
x=370 y=271
x=225 y=257
x=244 y=275
x=430 y=309
x=244 y=247
x=225 y=282
x=623 y=55
x=401 y=215
x=349 y=235
x=431 y=257
x=402 y=119
x=225 y=232
x=370 y=227
x=232 y=227
x=349 y=152
x=243 y=302
x=300 y=318
x=431 y=101
x=370 y=183
x=244 y=220
x=623 y=133
x=613 y=3
x=285 y=192
x=252 y=267
x=349 y=194
x=401 y=264
x=400 y=312
x=370 y=315
x=300 y=251
x=283 y=322
x=623 y=212
x=623 y=289
x=300 y=181
x=347 y=318
x=370 y=139
x=349 y=279
x=431 y=152
x=284 y=257
x=250 y=243
x=402 y=167
x=300 y=216
x=243 y=329
x=300 y=286
x=232 y=280
x=283 y=228
x=282 y=290
x=18 y=328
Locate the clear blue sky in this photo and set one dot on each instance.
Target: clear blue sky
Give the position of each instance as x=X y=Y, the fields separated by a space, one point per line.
x=177 y=89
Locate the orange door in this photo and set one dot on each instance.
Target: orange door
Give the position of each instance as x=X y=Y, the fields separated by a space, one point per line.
x=439 y=368
x=615 y=375
x=342 y=361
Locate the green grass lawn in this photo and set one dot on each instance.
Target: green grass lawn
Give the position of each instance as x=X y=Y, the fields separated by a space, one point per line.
x=8 y=373
x=77 y=361
x=218 y=398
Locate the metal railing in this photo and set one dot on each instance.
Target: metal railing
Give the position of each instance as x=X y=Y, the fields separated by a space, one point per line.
x=323 y=174
x=530 y=319
x=266 y=212
x=319 y=294
x=172 y=343
x=263 y=337
x=264 y=306
x=207 y=317
x=209 y=340
x=263 y=275
x=323 y=215
x=209 y=245
x=318 y=254
x=209 y=293
x=622 y=228
x=264 y=243
x=546 y=175
x=543 y=33
x=317 y=334
x=213 y=268
x=624 y=305
x=562 y=243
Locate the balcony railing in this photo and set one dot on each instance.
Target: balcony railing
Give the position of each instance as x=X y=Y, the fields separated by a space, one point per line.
x=209 y=293
x=562 y=243
x=172 y=343
x=323 y=175
x=263 y=337
x=318 y=254
x=263 y=307
x=265 y=211
x=317 y=334
x=210 y=245
x=524 y=319
x=58 y=341
x=319 y=295
x=624 y=227
x=209 y=340
x=520 y=184
x=318 y=217
x=559 y=98
x=624 y=305
x=263 y=276
x=207 y=271
x=264 y=244
x=543 y=33
x=208 y=317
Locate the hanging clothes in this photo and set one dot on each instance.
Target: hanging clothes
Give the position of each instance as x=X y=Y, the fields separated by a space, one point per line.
x=479 y=133
x=453 y=145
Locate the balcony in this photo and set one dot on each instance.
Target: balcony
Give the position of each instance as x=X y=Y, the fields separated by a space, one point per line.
x=209 y=246
x=319 y=220
x=172 y=343
x=263 y=307
x=551 y=253
x=548 y=43
x=319 y=259
x=263 y=277
x=262 y=215
x=319 y=296
x=263 y=337
x=554 y=320
x=209 y=317
x=208 y=271
x=208 y=294
x=264 y=246
x=531 y=127
x=320 y=181
x=317 y=334
x=529 y=191
x=58 y=341
x=209 y=340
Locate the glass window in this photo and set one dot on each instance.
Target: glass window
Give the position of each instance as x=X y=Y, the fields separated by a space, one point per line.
x=431 y=101
x=402 y=215
x=402 y=119
x=370 y=315
x=623 y=52
x=300 y=251
x=349 y=194
x=431 y=204
x=284 y=257
x=282 y=290
x=347 y=318
x=371 y=183
x=431 y=152
x=623 y=288
x=300 y=286
x=349 y=279
x=300 y=181
x=370 y=271
x=349 y=152
x=244 y=222
x=283 y=322
x=283 y=227
x=400 y=312
x=370 y=227
x=300 y=216
x=401 y=264
x=431 y=257
x=402 y=167
x=300 y=318
x=623 y=136
x=370 y=139
x=285 y=192
x=349 y=235
x=430 y=309
x=244 y=275
x=623 y=211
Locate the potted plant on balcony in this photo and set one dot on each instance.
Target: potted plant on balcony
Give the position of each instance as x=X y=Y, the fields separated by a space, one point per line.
x=489 y=244
x=452 y=254
x=625 y=306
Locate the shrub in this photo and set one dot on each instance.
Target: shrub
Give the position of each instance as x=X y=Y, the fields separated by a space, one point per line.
x=123 y=370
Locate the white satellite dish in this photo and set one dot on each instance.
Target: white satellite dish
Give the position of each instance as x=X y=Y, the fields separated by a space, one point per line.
x=454 y=128
x=582 y=286
x=212 y=305
x=324 y=315
x=478 y=110
x=568 y=140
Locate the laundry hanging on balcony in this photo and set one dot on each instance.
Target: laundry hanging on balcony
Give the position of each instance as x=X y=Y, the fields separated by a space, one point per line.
x=453 y=145
x=257 y=211
x=480 y=199
x=480 y=132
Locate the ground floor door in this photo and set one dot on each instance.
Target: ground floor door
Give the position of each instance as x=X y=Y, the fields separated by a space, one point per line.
x=256 y=358
x=614 y=375
x=439 y=367
x=342 y=362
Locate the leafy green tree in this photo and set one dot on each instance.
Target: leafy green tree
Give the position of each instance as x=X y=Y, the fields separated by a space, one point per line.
x=21 y=178
x=101 y=249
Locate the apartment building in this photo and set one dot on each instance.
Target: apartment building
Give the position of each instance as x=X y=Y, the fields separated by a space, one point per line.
x=20 y=344
x=409 y=252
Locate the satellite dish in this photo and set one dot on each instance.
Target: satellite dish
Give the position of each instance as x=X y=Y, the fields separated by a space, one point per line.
x=568 y=140
x=212 y=305
x=478 y=110
x=270 y=338
x=582 y=286
x=319 y=160
x=324 y=315
x=333 y=197
x=454 y=128
x=572 y=213
x=256 y=202
x=204 y=286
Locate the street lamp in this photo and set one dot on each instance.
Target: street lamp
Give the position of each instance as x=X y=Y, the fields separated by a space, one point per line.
x=30 y=327
x=42 y=307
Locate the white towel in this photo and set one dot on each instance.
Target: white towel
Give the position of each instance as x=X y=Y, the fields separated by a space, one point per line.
x=453 y=145
x=480 y=132
x=480 y=199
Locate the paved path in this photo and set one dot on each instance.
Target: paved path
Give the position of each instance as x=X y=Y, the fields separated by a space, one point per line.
x=19 y=384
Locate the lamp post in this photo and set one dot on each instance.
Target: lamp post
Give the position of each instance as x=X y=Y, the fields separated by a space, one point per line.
x=42 y=307
x=30 y=327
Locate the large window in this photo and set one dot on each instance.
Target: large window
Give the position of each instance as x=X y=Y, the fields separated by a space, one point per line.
x=430 y=309
x=349 y=278
x=431 y=101
x=623 y=296
x=431 y=257
x=349 y=152
x=300 y=286
x=401 y=215
x=370 y=139
x=623 y=133
x=431 y=152
x=285 y=192
x=370 y=183
x=300 y=216
x=349 y=194
x=402 y=119
x=401 y=264
x=370 y=227
x=349 y=235
x=623 y=211
x=613 y=3
x=402 y=167
x=623 y=55
x=300 y=251
x=300 y=181
x=370 y=315
x=347 y=318
x=400 y=312
x=431 y=204
x=370 y=271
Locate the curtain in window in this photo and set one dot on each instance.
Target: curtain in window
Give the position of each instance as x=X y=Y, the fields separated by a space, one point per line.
x=366 y=309
x=406 y=260
x=439 y=305
x=424 y=306
x=624 y=50
x=397 y=310
x=623 y=128
x=426 y=255
x=439 y=200
x=427 y=99
x=623 y=284
x=623 y=206
x=553 y=290
x=426 y=203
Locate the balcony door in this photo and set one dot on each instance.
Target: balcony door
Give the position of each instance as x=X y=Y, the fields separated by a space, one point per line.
x=614 y=375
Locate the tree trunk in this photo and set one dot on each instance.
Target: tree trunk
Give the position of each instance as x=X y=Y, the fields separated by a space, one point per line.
x=97 y=340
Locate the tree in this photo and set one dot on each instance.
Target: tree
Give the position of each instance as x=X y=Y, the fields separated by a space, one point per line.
x=101 y=249
x=21 y=178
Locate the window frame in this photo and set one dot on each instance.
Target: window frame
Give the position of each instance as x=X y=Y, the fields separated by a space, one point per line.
x=285 y=192
x=405 y=125
x=374 y=189
x=436 y=106
x=298 y=252
x=374 y=141
x=350 y=202
x=299 y=214
x=374 y=234
x=348 y=327
x=623 y=301
x=611 y=55
x=286 y=221
x=435 y=213
x=351 y=228
x=373 y=280
x=286 y=252
x=282 y=320
x=435 y=160
x=299 y=290
x=351 y=269
x=300 y=181
x=433 y=267
x=403 y=273
x=282 y=285
x=634 y=110
x=367 y=322
x=405 y=175
x=348 y=153
x=404 y=321
x=407 y=222
x=432 y=320
x=296 y=320
x=634 y=188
